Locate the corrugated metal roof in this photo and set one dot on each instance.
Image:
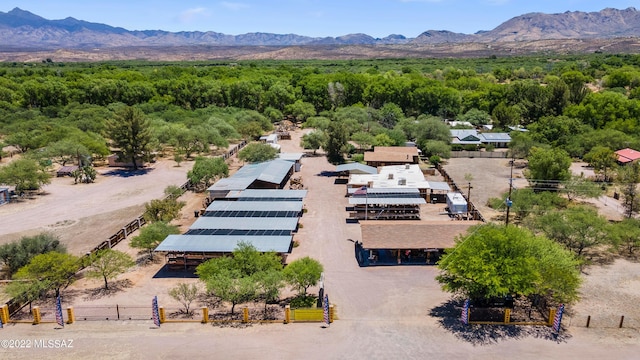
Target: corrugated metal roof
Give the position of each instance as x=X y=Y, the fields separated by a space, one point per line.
x=244 y=223
x=439 y=185
x=356 y=168
x=492 y=137
x=291 y=156
x=222 y=205
x=627 y=155
x=386 y=201
x=224 y=244
x=269 y=171
x=268 y=194
x=275 y=171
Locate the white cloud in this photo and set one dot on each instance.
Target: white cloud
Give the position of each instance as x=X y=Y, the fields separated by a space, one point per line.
x=190 y=15
x=234 y=6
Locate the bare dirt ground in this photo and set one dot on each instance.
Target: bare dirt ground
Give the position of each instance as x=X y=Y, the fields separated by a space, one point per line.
x=384 y=312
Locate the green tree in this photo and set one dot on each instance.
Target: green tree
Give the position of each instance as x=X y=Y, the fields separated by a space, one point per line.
x=303 y=273
x=107 y=264
x=476 y=117
x=363 y=139
x=579 y=187
x=269 y=284
x=602 y=159
x=163 y=210
x=520 y=145
x=313 y=140
x=65 y=151
x=436 y=148
x=578 y=228
x=17 y=254
x=185 y=294
x=243 y=277
x=628 y=179
x=130 y=131
x=548 y=167
x=152 y=235
x=625 y=235
x=206 y=170
x=257 y=152
x=49 y=271
x=24 y=174
x=494 y=261
x=335 y=146
x=300 y=110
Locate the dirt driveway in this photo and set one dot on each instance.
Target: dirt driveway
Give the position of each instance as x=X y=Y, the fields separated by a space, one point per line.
x=384 y=312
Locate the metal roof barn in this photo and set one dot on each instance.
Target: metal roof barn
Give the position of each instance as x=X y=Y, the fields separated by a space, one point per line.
x=255 y=206
x=245 y=223
x=223 y=244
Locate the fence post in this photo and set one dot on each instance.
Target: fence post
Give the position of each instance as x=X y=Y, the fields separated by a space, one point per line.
x=36 y=315
x=552 y=316
x=71 y=316
x=124 y=229
x=118 y=311
x=161 y=315
x=588 y=320
x=205 y=315
x=507 y=316
x=332 y=312
x=287 y=314
x=621 y=321
x=245 y=315
x=4 y=314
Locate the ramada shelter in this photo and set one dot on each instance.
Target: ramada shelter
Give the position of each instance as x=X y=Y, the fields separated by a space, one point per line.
x=407 y=242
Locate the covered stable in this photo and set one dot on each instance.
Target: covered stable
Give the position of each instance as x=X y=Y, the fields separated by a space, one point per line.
x=386 y=204
x=407 y=242
x=272 y=174
x=266 y=219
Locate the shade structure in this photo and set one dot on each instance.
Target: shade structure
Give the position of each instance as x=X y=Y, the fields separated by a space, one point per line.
x=223 y=244
x=245 y=223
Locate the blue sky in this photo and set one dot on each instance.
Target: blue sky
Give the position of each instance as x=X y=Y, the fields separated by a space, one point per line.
x=377 y=18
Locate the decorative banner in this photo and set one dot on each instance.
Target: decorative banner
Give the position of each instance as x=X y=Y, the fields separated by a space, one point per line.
x=464 y=317
x=325 y=308
x=558 y=319
x=155 y=311
x=59 y=318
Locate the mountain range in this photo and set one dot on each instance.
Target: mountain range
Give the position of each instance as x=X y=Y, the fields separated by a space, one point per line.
x=23 y=29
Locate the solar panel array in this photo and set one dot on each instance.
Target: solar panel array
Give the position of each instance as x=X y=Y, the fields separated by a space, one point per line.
x=255 y=214
x=235 y=232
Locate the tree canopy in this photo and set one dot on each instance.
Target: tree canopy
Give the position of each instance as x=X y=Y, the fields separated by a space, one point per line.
x=130 y=131
x=495 y=261
x=24 y=174
x=17 y=254
x=107 y=264
x=257 y=152
x=49 y=271
x=152 y=235
x=206 y=170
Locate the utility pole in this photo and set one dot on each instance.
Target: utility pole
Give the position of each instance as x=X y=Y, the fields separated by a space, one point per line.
x=468 y=199
x=508 y=201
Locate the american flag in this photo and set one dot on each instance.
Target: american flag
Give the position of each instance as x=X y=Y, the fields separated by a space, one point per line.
x=59 y=318
x=464 y=317
x=361 y=191
x=558 y=319
x=155 y=312
x=325 y=308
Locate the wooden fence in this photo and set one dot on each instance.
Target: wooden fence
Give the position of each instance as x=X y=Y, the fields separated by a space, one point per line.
x=475 y=213
x=135 y=224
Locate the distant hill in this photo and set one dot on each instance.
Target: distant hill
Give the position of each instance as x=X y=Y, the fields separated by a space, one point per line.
x=22 y=29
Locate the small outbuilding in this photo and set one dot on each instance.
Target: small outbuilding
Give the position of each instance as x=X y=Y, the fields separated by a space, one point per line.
x=456 y=203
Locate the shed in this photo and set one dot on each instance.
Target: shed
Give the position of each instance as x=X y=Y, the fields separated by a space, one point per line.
x=66 y=170
x=356 y=168
x=456 y=203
